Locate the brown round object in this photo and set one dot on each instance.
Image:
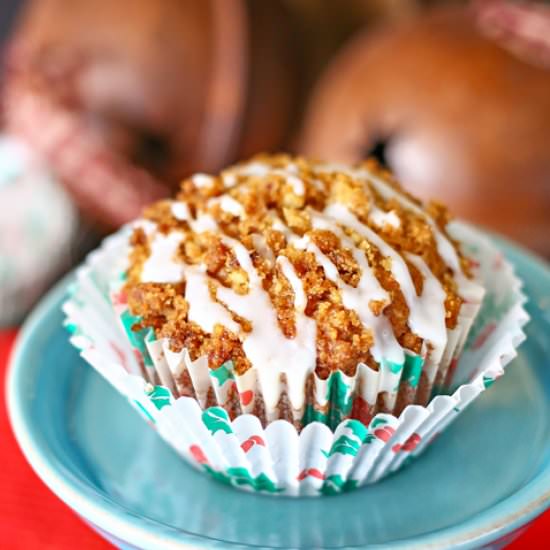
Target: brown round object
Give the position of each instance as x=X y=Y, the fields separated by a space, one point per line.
x=124 y=65
x=454 y=114
x=145 y=92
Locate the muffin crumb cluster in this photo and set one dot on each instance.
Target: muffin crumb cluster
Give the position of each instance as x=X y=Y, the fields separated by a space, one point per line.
x=276 y=227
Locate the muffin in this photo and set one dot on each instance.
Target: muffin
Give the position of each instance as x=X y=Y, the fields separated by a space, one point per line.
x=287 y=296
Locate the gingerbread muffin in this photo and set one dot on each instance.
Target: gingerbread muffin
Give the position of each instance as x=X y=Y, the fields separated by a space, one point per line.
x=298 y=282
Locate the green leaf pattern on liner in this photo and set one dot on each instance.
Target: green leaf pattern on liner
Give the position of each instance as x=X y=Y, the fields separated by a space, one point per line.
x=138 y=338
x=393 y=367
x=488 y=381
x=358 y=429
x=223 y=373
x=78 y=338
x=491 y=310
x=311 y=414
x=345 y=445
x=412 y=369
x=143 y=411
x=336 y=484
x=71 y=328
x=238 y=476
x=74 y=295
x=216 y=419
x=159 y=396
x=376 y=422
x=340 y=399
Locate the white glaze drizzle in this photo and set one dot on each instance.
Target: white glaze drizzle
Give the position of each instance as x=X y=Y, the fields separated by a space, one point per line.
x=381 y=218
x=260 y=169
x=269 y=351
x=261 y=246
x=297 y=184
x=147 y=226
x=467 y=288
x=425 y=311
x=202 y=180
x=204 y=222
x=444 y=247
x=229 y=179
x=306 y=333
x=228 y=204
x=432 y=290
x=161 y=266
x=300 y=298
x=180 y=211
x=358 y=298
x=266 y=346
x=203 y=310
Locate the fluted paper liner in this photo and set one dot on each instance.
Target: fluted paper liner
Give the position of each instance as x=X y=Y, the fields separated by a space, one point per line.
x=220 y=422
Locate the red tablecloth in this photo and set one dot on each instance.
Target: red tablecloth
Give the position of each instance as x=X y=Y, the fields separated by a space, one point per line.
x=31 y=517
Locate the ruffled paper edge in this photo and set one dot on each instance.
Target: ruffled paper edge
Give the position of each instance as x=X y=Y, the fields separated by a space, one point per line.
x=277 y=459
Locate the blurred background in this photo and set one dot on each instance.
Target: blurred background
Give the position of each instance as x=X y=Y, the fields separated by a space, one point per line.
x=106 y=105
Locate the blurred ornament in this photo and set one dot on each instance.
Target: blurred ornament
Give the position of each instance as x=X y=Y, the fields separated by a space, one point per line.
x=125 y=98
x=458 y=104
x=38 y=229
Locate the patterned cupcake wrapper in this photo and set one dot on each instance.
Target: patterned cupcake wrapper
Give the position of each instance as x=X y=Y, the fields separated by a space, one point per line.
x=221 y=423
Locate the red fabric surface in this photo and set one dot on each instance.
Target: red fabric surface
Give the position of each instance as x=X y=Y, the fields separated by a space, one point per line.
x=33 y=517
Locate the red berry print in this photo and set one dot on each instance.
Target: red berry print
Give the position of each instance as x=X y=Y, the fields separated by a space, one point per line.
x=483 y=335
x=246 y=397
x=198 y=454
x=498 y=262
x=139 y=358
x=311 y=472
x=251 y=441
x=120 y=355
x=411 y=443
x=119 y=298
x=361 y=410
x=384 y=433
x=452 y=368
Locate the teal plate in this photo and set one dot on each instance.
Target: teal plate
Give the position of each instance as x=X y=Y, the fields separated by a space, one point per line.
x=484 y=479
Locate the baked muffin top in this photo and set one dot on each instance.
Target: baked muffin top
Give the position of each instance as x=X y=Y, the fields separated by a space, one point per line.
x=292 y=266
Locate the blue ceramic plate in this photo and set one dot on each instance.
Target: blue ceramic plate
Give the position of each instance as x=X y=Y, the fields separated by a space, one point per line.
x=485 y=478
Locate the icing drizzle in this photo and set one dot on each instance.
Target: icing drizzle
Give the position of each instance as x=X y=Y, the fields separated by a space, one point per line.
x=267 y=348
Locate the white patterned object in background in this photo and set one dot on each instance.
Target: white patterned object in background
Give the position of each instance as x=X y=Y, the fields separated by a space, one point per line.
x=38 y=229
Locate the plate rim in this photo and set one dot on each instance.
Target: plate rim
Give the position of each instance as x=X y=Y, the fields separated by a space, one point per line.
x=499 y=520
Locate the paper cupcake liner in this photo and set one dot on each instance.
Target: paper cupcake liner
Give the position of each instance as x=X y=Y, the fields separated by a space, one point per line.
x=260 y=453
x=389 y=388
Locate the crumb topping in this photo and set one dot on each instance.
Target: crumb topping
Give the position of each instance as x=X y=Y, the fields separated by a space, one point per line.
x=345 y=265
